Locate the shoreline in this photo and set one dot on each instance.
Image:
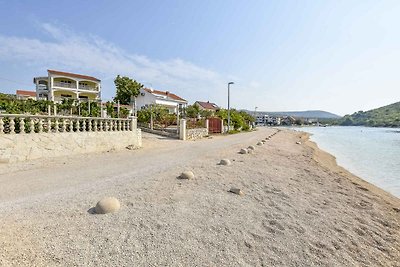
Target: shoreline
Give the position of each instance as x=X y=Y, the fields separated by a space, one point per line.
x=328 y=161
x=298 y=209
x=366 y=152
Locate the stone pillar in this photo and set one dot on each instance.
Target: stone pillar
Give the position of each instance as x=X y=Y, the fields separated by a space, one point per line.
x=222 y=126
x=207 y=125
x=133 y=125
x=182 y=130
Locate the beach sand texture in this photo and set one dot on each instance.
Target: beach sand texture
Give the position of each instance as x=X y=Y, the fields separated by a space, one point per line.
x=298 y=208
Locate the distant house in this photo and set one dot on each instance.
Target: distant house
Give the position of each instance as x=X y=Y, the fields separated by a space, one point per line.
x=207 y=106
x=288 y=120
x=24 y=95
x=58 y=85
x=148 y=97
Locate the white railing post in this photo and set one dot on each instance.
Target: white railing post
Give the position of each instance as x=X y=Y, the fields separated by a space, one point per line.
x=22 y=126
x=64 y=125
x=56 y=124
x=40 y=126
x=48 y=125
x=12 y=125
x=32 y=126
x=1 y=125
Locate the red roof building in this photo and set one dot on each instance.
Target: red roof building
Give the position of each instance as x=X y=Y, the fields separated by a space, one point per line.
x=207 y=105
x=24 y=94
x=150 y=97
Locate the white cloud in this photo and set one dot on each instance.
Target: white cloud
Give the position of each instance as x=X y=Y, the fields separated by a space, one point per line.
x=69 y=51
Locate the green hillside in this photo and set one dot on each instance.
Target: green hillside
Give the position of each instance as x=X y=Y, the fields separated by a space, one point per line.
x=387 y=116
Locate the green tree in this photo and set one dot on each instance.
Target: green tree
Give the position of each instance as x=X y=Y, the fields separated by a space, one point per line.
x=126 y=89
x=193 y=111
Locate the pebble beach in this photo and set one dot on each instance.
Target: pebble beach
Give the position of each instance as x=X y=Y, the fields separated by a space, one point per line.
x=297 y=207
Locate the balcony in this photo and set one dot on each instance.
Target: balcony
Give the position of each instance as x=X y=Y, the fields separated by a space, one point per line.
x=86 y=87
x=64 y=85
x=73 y=86
x=42 y=87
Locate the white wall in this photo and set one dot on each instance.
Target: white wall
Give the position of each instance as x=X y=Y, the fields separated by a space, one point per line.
x=22 y=147
x=147 y=99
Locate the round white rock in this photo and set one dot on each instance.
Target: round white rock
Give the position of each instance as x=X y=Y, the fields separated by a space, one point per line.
x=187 y=175
x=225 y=162
x=107 y=205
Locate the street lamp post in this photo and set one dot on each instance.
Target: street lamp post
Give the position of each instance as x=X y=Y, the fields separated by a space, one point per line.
x=229 y=108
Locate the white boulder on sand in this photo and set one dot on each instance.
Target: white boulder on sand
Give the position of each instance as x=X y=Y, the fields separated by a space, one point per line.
x=251 y=148
x=236 y=191
x=107 y=205
x=187 y=175
x=225 y=162
x=243 y=151
x=260 y=143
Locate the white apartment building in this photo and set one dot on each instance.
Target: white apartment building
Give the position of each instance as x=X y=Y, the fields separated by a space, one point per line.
x=58 y=85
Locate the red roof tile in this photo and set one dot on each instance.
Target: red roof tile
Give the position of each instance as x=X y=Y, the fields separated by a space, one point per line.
x=79 y=76
x=207 y=105
x=25 y=93
x=171 y=95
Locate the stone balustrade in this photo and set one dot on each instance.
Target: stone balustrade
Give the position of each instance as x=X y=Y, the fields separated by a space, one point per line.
x=30 y=124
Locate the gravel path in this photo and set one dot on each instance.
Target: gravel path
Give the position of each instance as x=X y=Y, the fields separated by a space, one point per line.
x=298 y=208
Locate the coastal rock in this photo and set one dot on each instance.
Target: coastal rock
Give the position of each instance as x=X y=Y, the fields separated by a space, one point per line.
x=187 y=175
x=226 y=162
x=243 y=151
x=260 y=143
x=236 y=191
x=298 y=142
x=251 y=148
x=107 y=205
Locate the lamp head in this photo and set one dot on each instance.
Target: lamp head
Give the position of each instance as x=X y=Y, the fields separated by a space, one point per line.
x=231 y=83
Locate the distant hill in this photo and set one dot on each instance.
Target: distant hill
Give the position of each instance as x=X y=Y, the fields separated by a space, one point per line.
x=387 y=116
x=314 y=114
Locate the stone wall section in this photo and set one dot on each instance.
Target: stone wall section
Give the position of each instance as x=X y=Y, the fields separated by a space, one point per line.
x=22 y=147
x=197 y=133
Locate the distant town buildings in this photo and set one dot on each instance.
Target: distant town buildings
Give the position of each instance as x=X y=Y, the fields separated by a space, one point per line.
x=58 y=85
x=267 y=120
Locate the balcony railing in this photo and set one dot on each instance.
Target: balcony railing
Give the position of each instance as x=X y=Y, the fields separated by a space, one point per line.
x=42 y=87
x=31 y=124
x=65 y=85
x=86 y=87
x=73 y=86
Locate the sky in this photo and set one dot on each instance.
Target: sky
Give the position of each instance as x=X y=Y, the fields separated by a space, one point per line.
x=337 y=56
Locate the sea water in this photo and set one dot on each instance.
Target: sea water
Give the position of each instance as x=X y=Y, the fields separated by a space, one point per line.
x=370 y=153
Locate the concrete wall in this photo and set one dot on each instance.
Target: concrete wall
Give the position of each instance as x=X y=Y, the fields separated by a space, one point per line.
x=197 y=133
x=21 y=147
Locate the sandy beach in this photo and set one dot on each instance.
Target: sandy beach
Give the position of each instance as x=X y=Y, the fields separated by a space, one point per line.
x=298 y=209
